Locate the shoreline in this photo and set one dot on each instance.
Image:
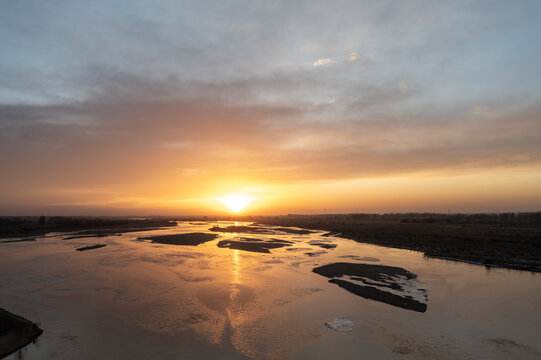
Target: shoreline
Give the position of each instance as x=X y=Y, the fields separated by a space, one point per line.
x=16 y=332
x=489 y=245
x=93 y=228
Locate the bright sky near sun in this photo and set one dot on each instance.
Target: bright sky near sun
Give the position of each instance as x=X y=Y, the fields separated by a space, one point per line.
x=138 y=107
x=236 y=202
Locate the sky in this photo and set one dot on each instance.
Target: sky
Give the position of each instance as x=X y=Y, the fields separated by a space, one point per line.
x=161 y=107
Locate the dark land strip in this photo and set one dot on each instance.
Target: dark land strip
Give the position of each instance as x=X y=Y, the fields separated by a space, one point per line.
x=253 y=245
x=18 y=240
x=85 y=227
x=189 y=239
x=373 y=281
x=90 y=247
x=254 y=229
x=511 y=245
x=15 y=332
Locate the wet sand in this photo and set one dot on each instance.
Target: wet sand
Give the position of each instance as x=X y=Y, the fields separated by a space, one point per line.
x=91 y=247
x=94 y=235
x=190 y=239
x=254 y=245
x=368 y=280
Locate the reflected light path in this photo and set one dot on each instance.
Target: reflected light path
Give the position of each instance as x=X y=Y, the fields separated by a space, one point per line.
x=235 y=268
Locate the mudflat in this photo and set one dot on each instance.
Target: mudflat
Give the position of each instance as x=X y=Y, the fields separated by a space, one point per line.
x=388 y=284
x=254 y=245
x=190 y=239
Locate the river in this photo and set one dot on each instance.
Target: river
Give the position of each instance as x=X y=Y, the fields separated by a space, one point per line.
x=138 y=299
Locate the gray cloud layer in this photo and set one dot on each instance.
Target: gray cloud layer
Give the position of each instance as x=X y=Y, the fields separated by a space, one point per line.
x=220 y=125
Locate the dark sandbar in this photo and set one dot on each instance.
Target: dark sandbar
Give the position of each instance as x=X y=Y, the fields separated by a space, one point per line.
x=240 y=229
x=375 y=279
x=322 y=244
x=294 y=231
x=90 y=247
x=331 y=234
x=258 y=230
x=15 y=332
x=315 y=253
x=107 y=232
x=254 y=245
x=92 y=235
x=190 y=239
x=18 y=240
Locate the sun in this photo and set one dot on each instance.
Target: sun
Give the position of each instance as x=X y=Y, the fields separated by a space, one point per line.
x=236 y=202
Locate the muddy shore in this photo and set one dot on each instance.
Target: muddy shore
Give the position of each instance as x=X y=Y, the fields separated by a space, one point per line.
x=494 y=245
x=190 y=239
x=11 y=227
x=15 y=332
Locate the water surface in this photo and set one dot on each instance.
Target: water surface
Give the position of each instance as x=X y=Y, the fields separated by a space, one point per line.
x=135 y=298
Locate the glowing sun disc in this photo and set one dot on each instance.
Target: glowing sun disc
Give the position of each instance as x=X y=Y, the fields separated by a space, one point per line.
x=236 y=202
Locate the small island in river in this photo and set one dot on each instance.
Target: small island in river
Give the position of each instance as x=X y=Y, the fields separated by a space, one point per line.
x=190 y=239
x=389 y=284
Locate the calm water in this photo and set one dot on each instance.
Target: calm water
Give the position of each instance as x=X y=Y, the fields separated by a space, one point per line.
x=137 y=299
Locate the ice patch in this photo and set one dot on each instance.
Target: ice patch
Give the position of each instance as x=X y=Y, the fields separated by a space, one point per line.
x=340 y=324
x=397 y=285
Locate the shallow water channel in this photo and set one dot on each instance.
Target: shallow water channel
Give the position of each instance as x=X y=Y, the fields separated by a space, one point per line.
x=228 y=297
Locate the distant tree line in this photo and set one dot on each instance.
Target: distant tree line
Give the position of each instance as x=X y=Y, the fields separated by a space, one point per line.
x=479 y=218
x=521 y=218
x=68 y=221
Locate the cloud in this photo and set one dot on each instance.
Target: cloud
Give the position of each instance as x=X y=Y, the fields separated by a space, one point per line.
x=481 y=110
x=228 y=94
x=130 y=146
x=118 y=135
x=324 y=62
x=403 y=86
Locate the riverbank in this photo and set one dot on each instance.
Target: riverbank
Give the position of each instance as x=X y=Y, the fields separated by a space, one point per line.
x=19 y=226
x=506 y=245
x=15 y=332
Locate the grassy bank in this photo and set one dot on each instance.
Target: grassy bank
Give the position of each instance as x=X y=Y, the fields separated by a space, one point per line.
x=502 y=243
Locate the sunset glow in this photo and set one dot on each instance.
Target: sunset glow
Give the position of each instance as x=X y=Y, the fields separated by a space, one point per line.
x=367 y=110
x=236 y=202
x=270 y=179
